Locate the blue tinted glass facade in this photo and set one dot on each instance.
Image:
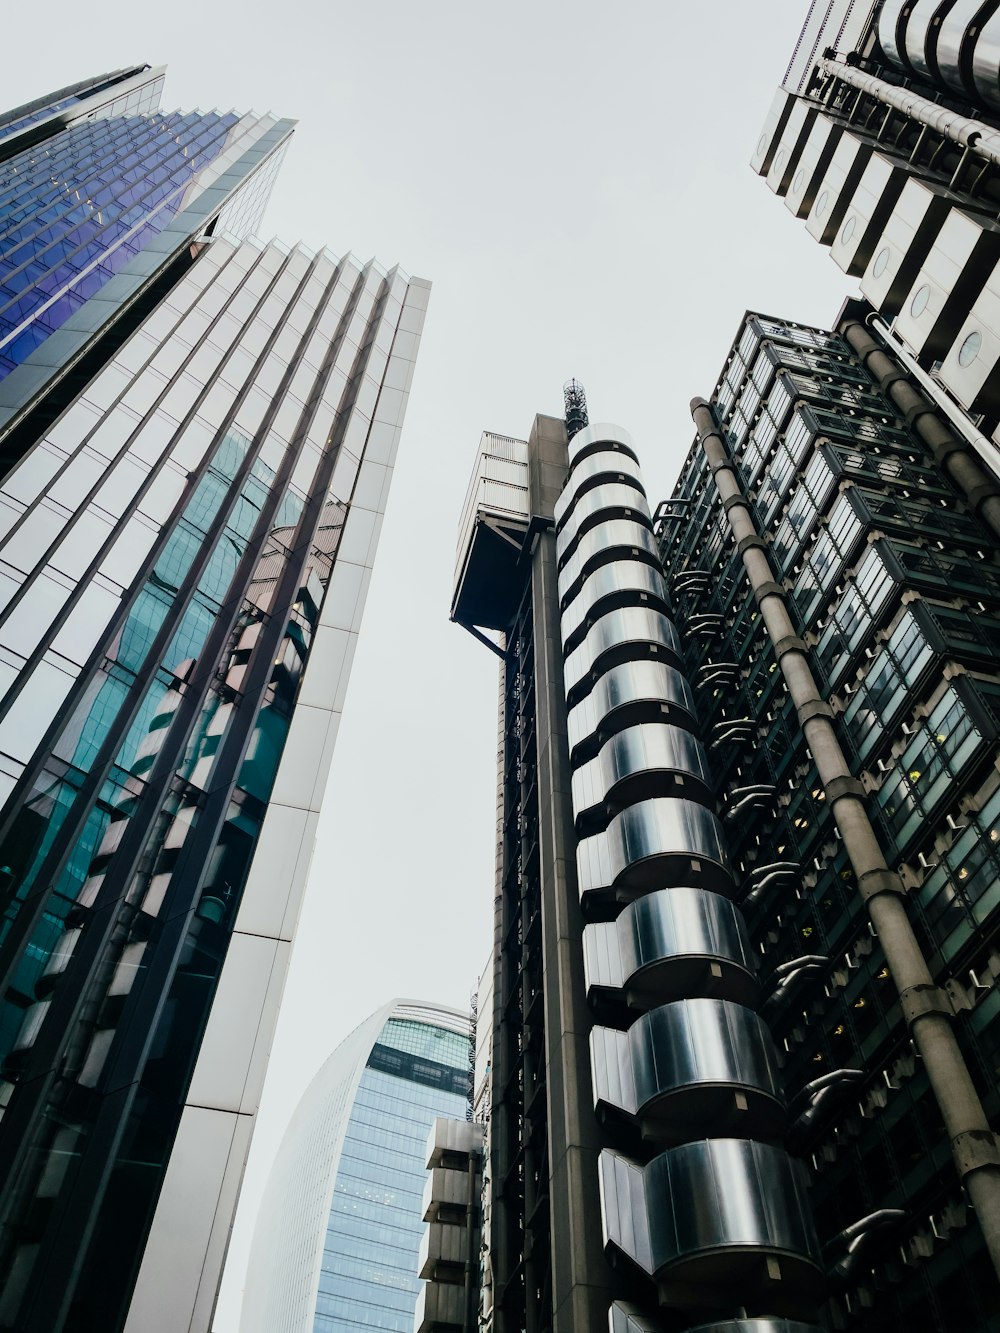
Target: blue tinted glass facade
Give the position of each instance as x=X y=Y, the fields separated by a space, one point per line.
x=95 y=93
x=77 y=208
x=368 y=1277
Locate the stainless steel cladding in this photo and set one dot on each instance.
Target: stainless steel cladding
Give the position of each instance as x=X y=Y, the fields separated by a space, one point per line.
x=612 y=499
x=655 y=843
x=955 y=46
x=710 y=1214
x=672 y=943
x=756 y=1326
x=679 y=1053
x=605 y=465
x=688 y=1064
x=625 y=581
x=630 y=631
x=629 y=692
x=611 y=541
x=591 y=438
x=636 y=763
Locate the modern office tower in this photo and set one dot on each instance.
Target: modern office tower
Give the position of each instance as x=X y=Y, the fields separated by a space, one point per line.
x=635 y=1161
x=836 y=578
x=885 y=140
x=197 y=434
x=338 y=1238
x=449 y=1260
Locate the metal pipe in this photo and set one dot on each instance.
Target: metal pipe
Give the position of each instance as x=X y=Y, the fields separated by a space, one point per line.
x=986 y=448
x=927 y=1010
x=963 y=130
x=980 y=487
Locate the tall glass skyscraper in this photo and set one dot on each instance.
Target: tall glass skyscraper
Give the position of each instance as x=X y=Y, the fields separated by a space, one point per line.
x=197 y=434
x=340 y=1226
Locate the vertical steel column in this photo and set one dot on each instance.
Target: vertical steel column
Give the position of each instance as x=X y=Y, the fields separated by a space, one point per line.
x=581 y=1279
x=926 y=1008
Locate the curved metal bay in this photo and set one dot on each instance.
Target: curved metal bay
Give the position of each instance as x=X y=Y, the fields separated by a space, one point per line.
x=626 y=633
x=607 y=465
x=643 y=761
x=623 y=582
x=672 y=944
x=611 y=500
x=627 y=693
x=615 y=540
x=651 y=845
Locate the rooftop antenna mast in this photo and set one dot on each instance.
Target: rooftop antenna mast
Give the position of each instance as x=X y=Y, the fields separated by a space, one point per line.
x=576 y=407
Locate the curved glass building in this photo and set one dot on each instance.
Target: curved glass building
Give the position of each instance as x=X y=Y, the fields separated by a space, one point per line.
x=341 y=1222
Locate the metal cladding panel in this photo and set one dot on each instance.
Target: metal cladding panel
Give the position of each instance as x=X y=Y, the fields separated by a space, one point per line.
x=986 y=61
x=817 y=151
x=871 y=205
x=796 y=129
x=696 y=1211
x=647 y=748
x=444 y=1243
x=836 y=190
x=770 y=135
x=606 y=465
x=629 y=626
x=656 y=842
x=696 y=1054
x=756 y=1326
x=623 y=1208
x=613 y=540
x=962 y=257
x=919 y=38
x=674 y=935
x=648 y=687
x=626 y=1318
x=440 y=1305
x=586 y=441
x=611 y=1064
x=602 y=956
x=624 y=581
x=916 y=219
x=970 y=368
x=613 y=499
x=888 y=34
x=709 y=1199
x=955 y=36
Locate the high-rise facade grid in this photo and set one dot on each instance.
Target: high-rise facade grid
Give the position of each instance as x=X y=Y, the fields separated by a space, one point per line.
x=198 y=432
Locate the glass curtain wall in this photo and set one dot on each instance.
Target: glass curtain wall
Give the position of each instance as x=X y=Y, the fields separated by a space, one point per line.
x=164 y=555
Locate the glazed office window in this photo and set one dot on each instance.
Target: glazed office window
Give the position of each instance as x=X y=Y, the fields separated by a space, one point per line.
x=969 y=636
x=929 y=767
x=748 y=344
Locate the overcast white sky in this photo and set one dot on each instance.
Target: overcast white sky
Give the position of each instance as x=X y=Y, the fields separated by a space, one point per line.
x=572 y=178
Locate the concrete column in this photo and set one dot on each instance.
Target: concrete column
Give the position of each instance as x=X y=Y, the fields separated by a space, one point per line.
x=581 y=1278
x=928 y=1013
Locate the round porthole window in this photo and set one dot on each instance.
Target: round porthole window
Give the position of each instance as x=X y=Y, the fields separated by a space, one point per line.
x=881 y=262
x=822 y=202
x=847 y=231
x=969 y=350
x=919 y=303
x=797 y=183
x=779 y=160
x=761 y=145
